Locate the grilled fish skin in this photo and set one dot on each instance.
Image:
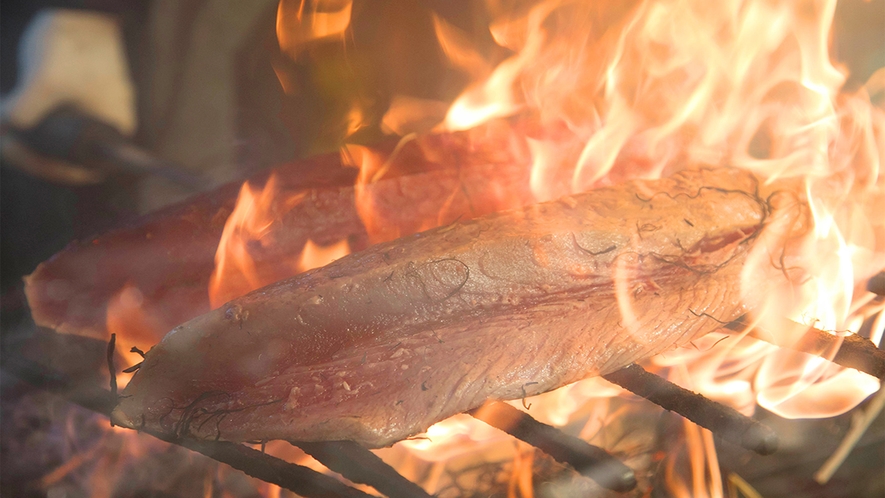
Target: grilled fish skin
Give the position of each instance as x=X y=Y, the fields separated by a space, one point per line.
x=383 y=343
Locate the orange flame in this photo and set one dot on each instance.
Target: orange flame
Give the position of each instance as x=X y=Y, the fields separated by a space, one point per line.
x=742 y=83
x=315 y=256
x=372 y=166
x=640 y=89
x=250 y=230
x=661 y=85
x=371 y=201
x=133 y=325
x=658 y=85
x=245 y=232
x=300 y=22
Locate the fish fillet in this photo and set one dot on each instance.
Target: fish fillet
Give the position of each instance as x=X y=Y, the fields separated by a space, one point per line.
x=383 y=343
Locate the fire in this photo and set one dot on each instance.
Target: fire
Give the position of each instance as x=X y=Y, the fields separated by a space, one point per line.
x=681 y=83
x=386 y=180
x=372 y=166
x=315 y=256
x=133 y=324
x=300 y=22
x=640 y=89
x=245 y=259
x=595 y=93
x=247 y=231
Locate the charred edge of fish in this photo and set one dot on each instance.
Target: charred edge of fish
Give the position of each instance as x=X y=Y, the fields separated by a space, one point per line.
x=711 y=317
x=724 y=421
x=588 y=460
x=679 y=261
x=182 y=426
x=781 y=264
x=742 y=238
x=711 y=347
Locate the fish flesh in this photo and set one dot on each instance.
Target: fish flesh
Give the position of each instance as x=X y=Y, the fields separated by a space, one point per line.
x=381 y=344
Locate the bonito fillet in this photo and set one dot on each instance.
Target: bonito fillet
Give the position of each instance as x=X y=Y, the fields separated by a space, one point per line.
x=168 y=256
x=383 y=343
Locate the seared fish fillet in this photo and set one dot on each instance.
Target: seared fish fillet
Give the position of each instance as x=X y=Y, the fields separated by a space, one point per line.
x=381 y=344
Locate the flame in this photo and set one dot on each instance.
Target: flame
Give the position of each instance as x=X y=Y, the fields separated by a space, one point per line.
x=249 y=237
x=301 y=22
x=407 y=115
x=521 y=475
x=315 y=256
x=743 y=83
x=247 y=231
x=641 y=89
x=677 y=81
x=594 y=93
x=453 y=437
x=372 y=166
x=459 y=50
x=638 y=89
x=371 y=197
x=133 y=324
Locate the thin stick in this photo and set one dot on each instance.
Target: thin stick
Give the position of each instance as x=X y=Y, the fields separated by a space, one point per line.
x=362 y=466
x=858 y=427
x=854 y=351
x=721 y=420
x=295 y=478
x=588 y=460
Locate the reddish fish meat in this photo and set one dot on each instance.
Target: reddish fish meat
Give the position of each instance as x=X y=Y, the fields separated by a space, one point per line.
x=169 y=256
x=381 y=344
